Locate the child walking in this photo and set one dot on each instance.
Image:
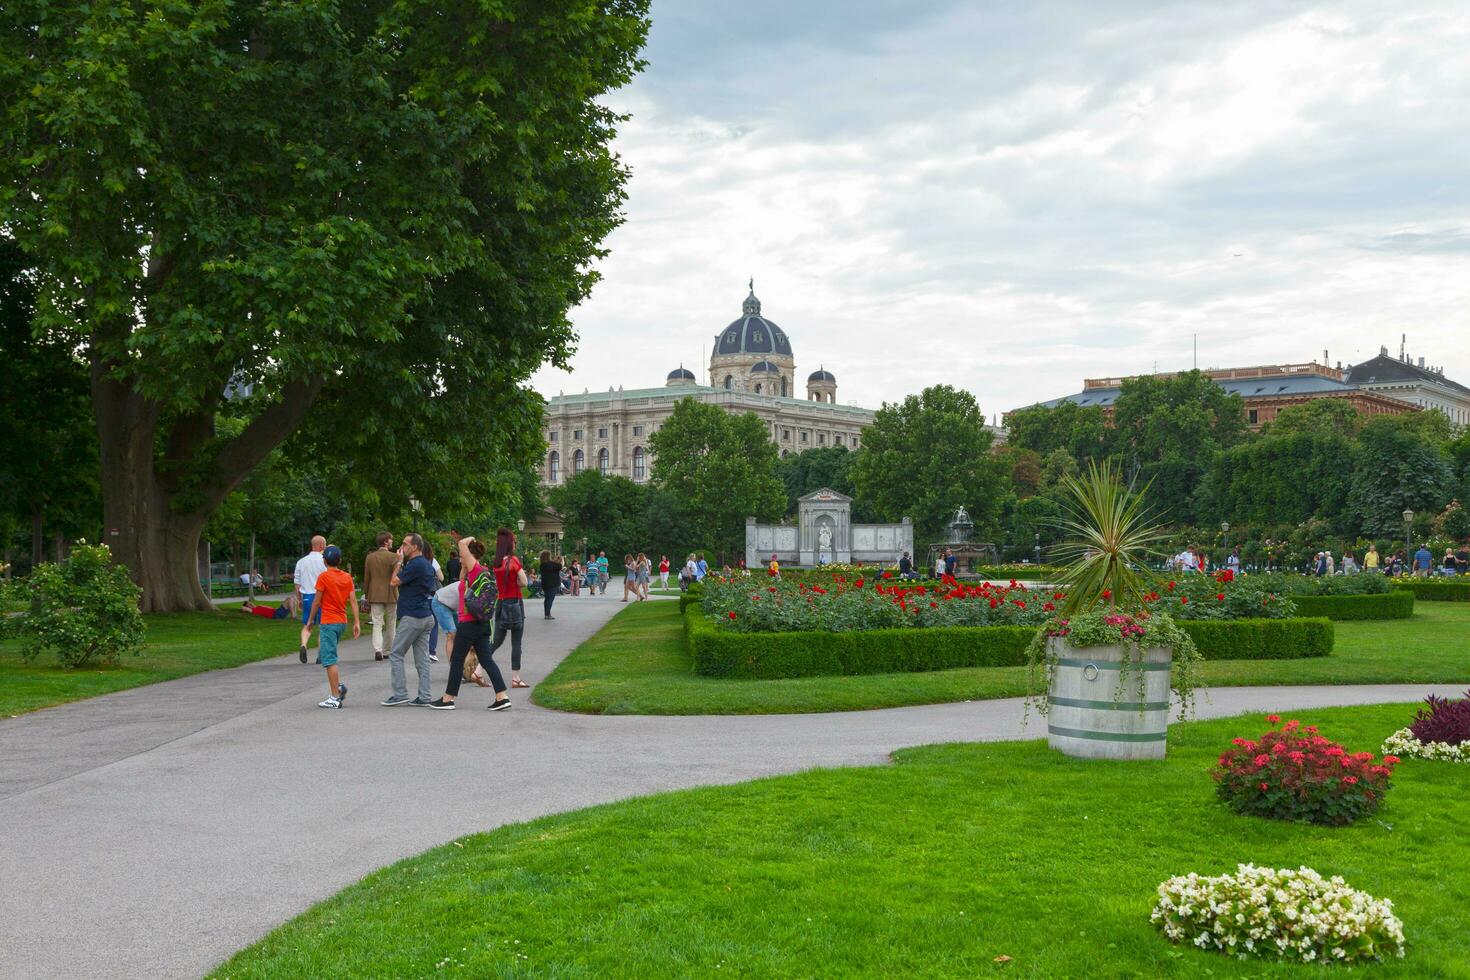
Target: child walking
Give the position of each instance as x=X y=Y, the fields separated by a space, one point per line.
x=335 y=594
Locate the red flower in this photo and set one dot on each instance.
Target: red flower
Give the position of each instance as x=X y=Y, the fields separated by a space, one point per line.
x=888 y=575
x=1392 y=760
x=1273 y=719
x=1184 y=600
x=1171 y=586
x=1265 y=786
x=1262 y=759
x=1220 y=596
x=731 y=614
x=1049 y=607
x=1107 y=594
x=1349 y=780
x=933 y=605
x=858 y=584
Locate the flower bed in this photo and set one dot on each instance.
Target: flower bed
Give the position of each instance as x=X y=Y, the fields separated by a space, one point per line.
x=1279 y=913
x=1223 y=595
x=1293 y=773
x=1441 y=732
x=1397 y=604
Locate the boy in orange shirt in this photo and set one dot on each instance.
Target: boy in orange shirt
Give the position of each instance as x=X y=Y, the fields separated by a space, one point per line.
x=335 y=594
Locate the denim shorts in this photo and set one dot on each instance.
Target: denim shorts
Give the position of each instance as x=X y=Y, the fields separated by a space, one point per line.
x=306 y=598
x=330 y=636
x=444 y=616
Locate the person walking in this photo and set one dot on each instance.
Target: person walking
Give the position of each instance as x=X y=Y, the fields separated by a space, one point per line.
x=701 y=568
x=951 y=562
x=438 y=581
x=645 y=576
x=476 y=613
x=414 y=578
x=576 y=577
x=939 y=564
x=550 y=582
x=335 y=594
x=1331 y=564
x=510 y=608
x=1422 y=560
x=602 y=575
x=1370 y=559
x=690 y=574
x=377 y=588
x=1447 y=564
x=1349 y=563
x=630 y=576
x=1233 y=562
x=445 y=606
x=774 y=568
x=663 y=571
x=1462 y=559
x=308 y=568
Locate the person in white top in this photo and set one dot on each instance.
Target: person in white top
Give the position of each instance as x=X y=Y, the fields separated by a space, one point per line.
x=308 y=569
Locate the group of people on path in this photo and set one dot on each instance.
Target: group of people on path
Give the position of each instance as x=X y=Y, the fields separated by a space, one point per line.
x=410 y=599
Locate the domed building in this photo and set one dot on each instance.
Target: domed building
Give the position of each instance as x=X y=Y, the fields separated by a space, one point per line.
x=752 y=368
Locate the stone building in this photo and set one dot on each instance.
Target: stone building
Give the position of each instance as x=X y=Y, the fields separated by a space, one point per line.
x=1416 y=383
x=751 y=369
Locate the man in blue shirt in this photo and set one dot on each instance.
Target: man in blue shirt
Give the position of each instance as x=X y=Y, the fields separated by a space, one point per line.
x=415 y=580
x=701 y=568
x=1422 y=560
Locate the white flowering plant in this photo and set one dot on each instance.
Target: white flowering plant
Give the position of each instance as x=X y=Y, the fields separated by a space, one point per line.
x=1405 y=744
x=1281 y=914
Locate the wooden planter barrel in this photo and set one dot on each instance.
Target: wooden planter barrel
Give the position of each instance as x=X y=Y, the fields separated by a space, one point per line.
x=1089 y=719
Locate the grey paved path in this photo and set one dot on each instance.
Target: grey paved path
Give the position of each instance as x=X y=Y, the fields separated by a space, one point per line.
x=151 y=833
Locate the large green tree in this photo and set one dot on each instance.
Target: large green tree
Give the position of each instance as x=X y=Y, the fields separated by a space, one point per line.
x=1165 y=431
x=1330 y=416
x=926 y=456
x=604 y=513
x=1079 y=430
x=1398 y=467
x=368 y=218
x=716 y=469
x=824 y=466
x=1301 y=473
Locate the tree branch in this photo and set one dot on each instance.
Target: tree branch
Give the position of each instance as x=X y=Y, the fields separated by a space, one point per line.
x=240 y=455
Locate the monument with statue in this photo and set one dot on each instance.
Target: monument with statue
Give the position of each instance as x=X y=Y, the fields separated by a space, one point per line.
x=824 y=534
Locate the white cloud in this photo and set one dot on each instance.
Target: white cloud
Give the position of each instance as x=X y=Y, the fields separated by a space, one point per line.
x=1012 y=199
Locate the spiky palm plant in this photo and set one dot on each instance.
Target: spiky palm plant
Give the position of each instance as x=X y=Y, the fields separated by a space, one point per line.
x=1111 y=533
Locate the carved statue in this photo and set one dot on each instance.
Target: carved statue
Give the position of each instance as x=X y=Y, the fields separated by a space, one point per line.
x=824 y=537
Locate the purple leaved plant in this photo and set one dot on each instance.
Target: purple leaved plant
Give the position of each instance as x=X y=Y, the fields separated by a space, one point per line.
x=1445 y=721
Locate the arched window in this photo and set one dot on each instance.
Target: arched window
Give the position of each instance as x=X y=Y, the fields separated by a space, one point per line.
x=602 y=461
x=729 y=382
x=783 y=387
x=757 y=389
x=553 y=466
x=640 y=465
x=579 y=462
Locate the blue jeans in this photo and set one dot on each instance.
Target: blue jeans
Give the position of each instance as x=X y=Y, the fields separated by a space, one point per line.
x=444 y=618
x=413 y=631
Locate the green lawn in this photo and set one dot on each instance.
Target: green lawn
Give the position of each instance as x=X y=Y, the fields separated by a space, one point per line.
x=178 y=644
x=637 y=664
x=936 y=866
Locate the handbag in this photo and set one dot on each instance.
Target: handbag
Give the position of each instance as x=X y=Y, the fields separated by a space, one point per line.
x=510 y=614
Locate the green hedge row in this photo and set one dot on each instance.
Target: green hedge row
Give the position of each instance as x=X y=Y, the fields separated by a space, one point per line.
x=1436 y=589
x=718 y=653
x=693 y=596
x=1398 y=604
x=1260 y=639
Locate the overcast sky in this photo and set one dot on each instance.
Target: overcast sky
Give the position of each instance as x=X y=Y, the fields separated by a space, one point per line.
x=1010 y=197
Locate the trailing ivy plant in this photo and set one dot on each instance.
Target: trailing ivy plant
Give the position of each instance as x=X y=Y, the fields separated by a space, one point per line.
x=1104 y=599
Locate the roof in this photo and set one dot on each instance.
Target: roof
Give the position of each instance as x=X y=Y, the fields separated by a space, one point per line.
x=752 y=333
x=1247 y=388
x=765 y=366
x=681 y=372
x=825 y=494
x=822 y=375
x=719 y=396
x=1386 y=369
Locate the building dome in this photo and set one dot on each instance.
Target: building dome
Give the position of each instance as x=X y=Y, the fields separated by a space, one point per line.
x=764 y=367
x=681 y=373
x=752 y=333
x=821 y=375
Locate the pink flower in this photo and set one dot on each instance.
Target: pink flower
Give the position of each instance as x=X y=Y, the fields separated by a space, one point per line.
x=1273 y=719
x=1262 y=759
x=1349 y=780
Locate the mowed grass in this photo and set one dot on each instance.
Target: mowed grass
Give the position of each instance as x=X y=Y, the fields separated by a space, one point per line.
x=638 y=664
x=178 y=644
x=936 y=866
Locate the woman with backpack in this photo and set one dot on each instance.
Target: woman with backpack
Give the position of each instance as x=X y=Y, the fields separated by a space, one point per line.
x=510 y=607
x=477 y=607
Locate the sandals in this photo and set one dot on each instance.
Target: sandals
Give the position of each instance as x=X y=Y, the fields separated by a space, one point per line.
x=519 y=683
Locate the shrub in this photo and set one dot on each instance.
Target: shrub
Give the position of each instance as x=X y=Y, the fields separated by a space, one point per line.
x=84 y=608
x=1261 y=639
x=1398 y=604
x=1293 y=773
x=1360 y=583
x=693 y=596
x=1446 y=721
x=1223 y=595
x=1436 y=590
x=1296 y=915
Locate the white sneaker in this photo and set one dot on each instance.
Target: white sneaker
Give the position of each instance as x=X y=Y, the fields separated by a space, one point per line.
x=330 y=703
x=433 y=658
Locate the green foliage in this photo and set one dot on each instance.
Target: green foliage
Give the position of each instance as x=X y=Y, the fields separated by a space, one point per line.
x=1284 y=476
x=1077 y=432
x=1321 y=417
x=717 y=653
x=1361 y=583
x=925 y=457
x=1222 y=596
x=83 y=609
x=1397 y=604
x=825 y=466
x=1109 y=628
x=1436 y=590
x=1260 y=639
x=716 y=469
x=608 y=512
x=1109 y=537
x=1397 y=468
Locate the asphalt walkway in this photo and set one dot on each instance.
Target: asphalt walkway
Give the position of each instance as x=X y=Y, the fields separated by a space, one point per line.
x=153 y=832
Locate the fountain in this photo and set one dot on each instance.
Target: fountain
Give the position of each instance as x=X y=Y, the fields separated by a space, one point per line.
x=970 y=553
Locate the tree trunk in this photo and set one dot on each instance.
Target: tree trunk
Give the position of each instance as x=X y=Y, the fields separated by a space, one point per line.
x=37 y=537
x=160 y=548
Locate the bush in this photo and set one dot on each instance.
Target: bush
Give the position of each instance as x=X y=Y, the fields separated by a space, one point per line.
x=1397 y=604
x=1436 y=589
x=1359 y=583
x=1296 y=915
x=693 y=596
x=718 y=653
x=1260 y=639
x=1293 y=773
x=1223 y=595
x=83 y=609
x=1446 y=721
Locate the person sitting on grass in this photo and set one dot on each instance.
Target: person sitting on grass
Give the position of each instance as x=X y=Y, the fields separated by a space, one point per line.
x=266 y=612
x=335 y=594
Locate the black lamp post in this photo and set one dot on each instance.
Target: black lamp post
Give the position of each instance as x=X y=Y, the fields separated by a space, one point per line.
x=1037 y=548
x=1408 y=537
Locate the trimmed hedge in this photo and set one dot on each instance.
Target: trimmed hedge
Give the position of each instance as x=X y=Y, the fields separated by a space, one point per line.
x=1436 y=589
x=1398 y=604
x=1260 y=639
x=769 y=656
x=691 y=596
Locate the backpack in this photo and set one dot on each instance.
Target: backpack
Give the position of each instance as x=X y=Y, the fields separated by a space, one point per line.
x=479 y=596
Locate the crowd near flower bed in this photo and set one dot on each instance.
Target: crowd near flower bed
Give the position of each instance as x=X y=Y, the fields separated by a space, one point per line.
x=1441 y=732
x=1279 y=913
x=1294 y=773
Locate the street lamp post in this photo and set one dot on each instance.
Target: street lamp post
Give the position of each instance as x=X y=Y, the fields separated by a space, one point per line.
x=1408 y=536
x=416 y=507
x=1037 y=548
